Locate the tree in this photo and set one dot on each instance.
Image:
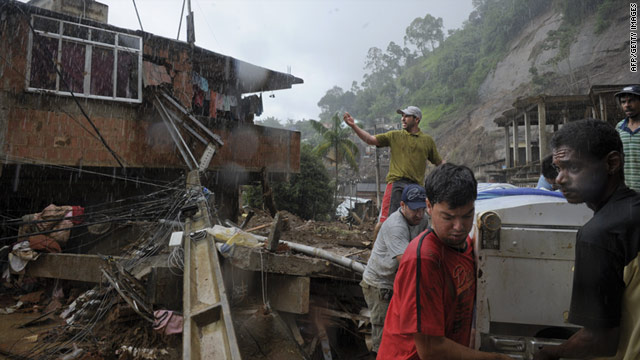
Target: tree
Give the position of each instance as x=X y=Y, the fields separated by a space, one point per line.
x=306 y=194
x=336 y=142
x=335 y=100
x=425 y=33
x=308 y=135
x=270 y=121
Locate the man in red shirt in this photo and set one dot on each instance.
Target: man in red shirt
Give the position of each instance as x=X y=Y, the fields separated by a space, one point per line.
x=431 y=311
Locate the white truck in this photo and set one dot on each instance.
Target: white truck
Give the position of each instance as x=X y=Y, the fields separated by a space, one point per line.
x=524 y=247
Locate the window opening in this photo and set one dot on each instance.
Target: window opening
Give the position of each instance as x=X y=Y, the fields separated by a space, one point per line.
x=94 y=63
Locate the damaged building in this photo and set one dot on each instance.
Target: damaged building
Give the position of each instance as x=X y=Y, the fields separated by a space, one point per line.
x=122 y=154
x=77 y=92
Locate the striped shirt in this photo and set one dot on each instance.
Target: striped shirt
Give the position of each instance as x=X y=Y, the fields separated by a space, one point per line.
x=631 y=146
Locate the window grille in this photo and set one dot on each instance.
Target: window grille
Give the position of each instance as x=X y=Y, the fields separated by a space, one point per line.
x=94 y=63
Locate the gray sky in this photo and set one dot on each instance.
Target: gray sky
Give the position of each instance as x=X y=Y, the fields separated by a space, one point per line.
x=325 y=42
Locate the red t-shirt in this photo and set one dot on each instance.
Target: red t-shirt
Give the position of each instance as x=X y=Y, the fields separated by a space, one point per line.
x=433 y=294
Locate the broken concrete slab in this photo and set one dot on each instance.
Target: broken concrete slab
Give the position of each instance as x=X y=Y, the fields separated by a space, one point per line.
x=286 y=263
x=76 y=267
x=289 y=293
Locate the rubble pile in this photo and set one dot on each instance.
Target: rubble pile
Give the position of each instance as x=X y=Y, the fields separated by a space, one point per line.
x=135 y=310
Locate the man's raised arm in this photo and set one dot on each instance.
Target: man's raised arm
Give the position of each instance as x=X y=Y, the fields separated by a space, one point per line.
x=365 y=136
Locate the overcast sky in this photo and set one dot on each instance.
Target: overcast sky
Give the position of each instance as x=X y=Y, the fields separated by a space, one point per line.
x=323 y=42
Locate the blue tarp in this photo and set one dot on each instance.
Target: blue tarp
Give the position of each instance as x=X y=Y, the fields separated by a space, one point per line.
x=494 y=193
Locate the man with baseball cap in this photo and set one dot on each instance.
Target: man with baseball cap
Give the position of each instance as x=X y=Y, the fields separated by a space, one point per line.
x=393 y=238
x=629 y=131
x=410 y=150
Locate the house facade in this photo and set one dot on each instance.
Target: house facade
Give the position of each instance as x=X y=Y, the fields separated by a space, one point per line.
x=81 y=96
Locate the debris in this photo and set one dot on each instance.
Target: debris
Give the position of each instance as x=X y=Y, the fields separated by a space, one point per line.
x=348 y=205
x=129 y=289
x=232 y=236
x=290 y=320
x=11 y=309
x=31 y=338
x=20 y=255
x=324 y=341
x=167 y=322
x=140 y=353
x=39 y=320
x=356 y=217
x=274 y=233
x=49 y=230
x=32 y=298
x=247 y=218
x=76 y=353
x=258 y=227
x=340 y=314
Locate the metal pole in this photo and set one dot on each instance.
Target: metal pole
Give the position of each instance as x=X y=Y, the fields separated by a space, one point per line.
x=191 y=31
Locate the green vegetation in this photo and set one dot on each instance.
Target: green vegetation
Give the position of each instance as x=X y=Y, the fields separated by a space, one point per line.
x=336 y=145
x=306 y=194
x=574 y=13
x=605 y=11
x=442 y=74
x=437 y=73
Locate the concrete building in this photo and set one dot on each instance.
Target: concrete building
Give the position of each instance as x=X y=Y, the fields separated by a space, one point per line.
x=81 y=99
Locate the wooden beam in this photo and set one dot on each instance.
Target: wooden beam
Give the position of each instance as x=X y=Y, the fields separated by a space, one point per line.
x=340 y=314
x=507 y=152
x=603 y=108
x=516 y=160
x=527 y=137
x=274 y=233
x=542 y=129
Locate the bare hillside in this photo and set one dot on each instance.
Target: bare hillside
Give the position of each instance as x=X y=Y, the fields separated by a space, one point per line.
x=470 y=136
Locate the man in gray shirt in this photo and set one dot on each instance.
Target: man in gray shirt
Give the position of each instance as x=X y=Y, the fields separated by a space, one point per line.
x=394 y=236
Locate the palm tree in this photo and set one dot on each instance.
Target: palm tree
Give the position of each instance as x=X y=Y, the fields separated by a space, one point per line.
x=335 y=141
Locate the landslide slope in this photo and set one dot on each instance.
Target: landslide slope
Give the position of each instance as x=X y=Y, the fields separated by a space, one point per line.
x=470 y=136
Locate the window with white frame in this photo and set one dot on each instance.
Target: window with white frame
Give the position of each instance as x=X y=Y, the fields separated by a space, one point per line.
x=93 y=62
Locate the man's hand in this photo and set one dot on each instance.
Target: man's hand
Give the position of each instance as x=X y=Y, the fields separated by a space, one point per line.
x=348 y=119
x=363 y=135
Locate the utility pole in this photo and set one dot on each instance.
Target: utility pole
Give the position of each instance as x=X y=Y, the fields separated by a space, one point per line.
x=208 y=331
x=191 y=31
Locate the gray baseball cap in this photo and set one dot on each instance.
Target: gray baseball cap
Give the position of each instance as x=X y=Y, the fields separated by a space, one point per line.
x=411 y=110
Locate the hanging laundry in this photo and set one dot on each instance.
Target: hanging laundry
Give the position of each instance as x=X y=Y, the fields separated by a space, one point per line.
x=252 y=105
x=198 y=97
x=226 y=106
x=201 y=82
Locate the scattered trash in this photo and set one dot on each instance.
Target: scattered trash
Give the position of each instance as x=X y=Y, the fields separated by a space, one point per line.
x=11 y=309
x=74 y=354
x=20 y=255
x=167 y=322
x=141 y=353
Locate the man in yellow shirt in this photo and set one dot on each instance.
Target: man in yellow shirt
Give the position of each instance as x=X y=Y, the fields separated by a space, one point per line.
x=410 y=150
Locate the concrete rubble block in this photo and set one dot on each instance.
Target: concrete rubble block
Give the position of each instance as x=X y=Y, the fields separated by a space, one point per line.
x=289 y=293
